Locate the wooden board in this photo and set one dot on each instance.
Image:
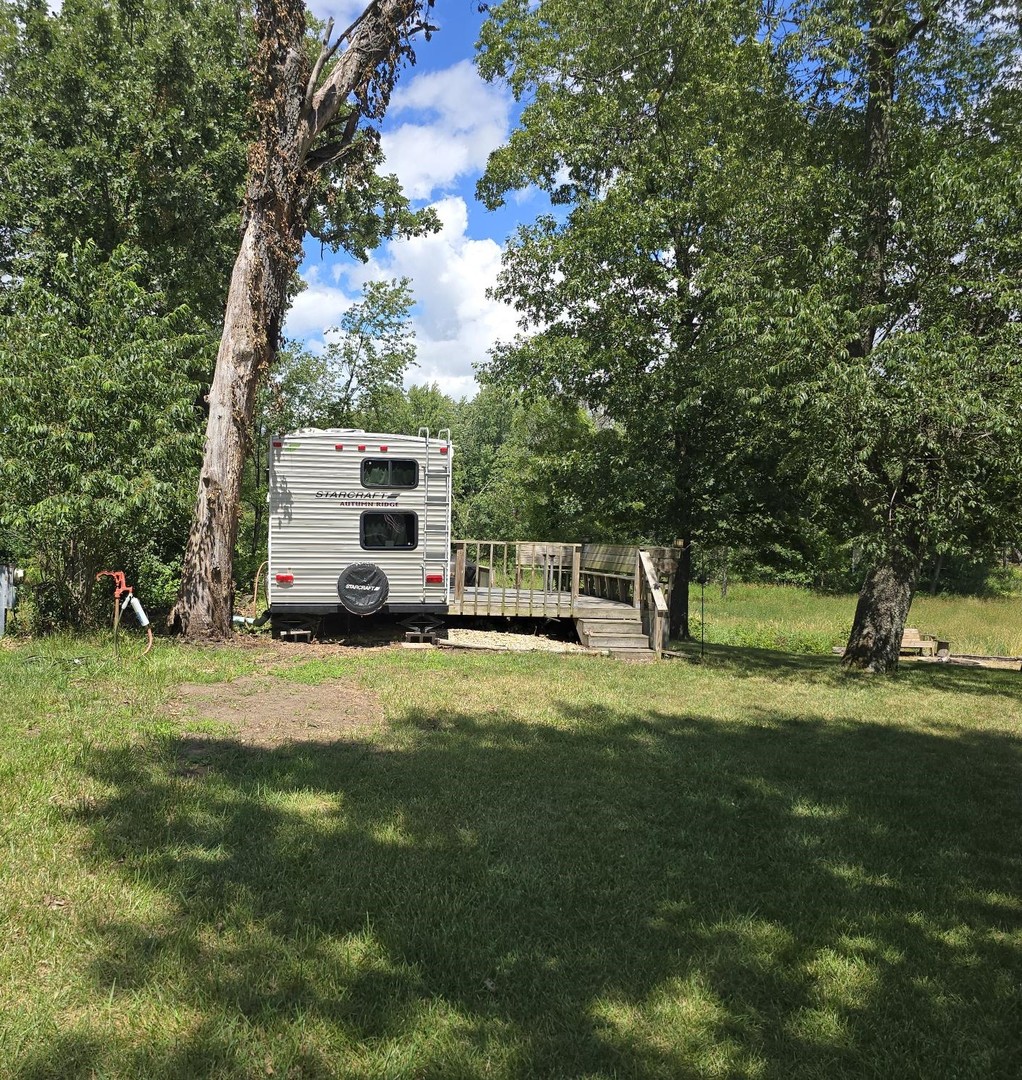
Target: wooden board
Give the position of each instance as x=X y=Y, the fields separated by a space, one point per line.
x=531 y=603
x=914 y=642
x=614 y=559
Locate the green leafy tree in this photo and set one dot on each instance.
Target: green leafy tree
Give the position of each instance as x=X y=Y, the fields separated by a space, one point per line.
x=370 y=351
x=297 y=393
x=125 y=124
x=123 y=130
x=649 y=128
x=99 y=431
x=529 y=468
x=484 y=425
x=408 y=411
x=357 y=380
x=624 y=132
x=900 y=364
x=784 y=245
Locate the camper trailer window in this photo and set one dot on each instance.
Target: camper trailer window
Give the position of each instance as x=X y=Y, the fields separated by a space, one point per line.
x=381 y=530
x=389 y=473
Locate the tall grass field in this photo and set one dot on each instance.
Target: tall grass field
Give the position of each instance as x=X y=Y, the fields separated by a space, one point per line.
x=797 y=620
x=514 y=866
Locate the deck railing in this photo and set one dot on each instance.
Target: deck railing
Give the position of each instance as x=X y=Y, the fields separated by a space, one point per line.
x=515 y=577
x=540 y=580
x=656 y=621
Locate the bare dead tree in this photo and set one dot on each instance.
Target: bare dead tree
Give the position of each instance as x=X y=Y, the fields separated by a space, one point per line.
x=308 y=114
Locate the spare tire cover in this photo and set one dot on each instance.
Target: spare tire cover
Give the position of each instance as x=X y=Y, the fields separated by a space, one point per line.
x=363 y=588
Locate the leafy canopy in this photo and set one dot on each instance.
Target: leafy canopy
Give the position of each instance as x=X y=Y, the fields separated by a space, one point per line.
x=99 y=426
x=782 y=257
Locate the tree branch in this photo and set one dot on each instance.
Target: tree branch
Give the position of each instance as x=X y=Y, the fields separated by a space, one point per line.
x=328 y=50
x=325 y=53
x=371 y=40
x=324 y=156
x=916 y=29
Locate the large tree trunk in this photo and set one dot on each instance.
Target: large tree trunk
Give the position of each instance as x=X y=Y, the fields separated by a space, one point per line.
x=255 y=303
x=875 y=641
x=680 y=591
x=293 y=113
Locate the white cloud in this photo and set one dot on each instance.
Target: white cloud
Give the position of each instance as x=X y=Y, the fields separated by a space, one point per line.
x=441 y=127
x=457 y=119
x=455 y=322
x=315 y=308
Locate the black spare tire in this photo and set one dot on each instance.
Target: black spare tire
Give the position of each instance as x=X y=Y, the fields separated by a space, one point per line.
x=362 y=588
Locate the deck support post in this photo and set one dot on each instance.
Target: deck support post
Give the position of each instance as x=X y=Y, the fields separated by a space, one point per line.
x=576 y=571
x=459 y=576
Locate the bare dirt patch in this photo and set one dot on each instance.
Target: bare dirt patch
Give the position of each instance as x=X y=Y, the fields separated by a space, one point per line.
x=265 y=711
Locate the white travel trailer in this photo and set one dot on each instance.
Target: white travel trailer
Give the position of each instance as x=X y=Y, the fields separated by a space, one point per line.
x=360 y=522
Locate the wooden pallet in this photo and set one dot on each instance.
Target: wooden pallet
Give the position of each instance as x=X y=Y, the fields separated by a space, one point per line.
x=915 y=644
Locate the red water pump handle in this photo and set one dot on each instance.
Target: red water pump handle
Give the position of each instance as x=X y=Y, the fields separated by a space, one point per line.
x=121 y=586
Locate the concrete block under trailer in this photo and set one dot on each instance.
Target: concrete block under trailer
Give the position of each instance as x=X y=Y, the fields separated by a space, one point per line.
x=360 y=522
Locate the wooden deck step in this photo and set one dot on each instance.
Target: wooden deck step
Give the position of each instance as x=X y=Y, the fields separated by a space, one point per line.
x=618 y=641
x=625 y=622
x=642 y=655
x=620 y=635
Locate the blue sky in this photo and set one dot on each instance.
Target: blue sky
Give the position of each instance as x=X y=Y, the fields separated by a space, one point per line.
x=442 y=123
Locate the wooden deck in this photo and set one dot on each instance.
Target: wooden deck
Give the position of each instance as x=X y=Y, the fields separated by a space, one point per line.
x=603 y=587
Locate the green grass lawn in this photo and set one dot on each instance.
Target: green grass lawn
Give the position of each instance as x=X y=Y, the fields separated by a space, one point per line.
x=537 y=866
x=798 y=620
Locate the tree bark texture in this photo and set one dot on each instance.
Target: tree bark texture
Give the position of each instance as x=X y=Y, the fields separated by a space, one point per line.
x=293 y=113
x=206 y=599
x=880 y=615
x=680 y=592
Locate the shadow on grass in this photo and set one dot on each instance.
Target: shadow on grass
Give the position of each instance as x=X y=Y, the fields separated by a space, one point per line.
x=626 y=894
x=775 y=664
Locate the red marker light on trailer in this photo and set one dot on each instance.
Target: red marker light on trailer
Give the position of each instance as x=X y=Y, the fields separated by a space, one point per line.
x=361 y=448
x=286 y=579
x=277 y=445
x=339 y=446
x=383 y=449
x=443 y=449
x=434 y=579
